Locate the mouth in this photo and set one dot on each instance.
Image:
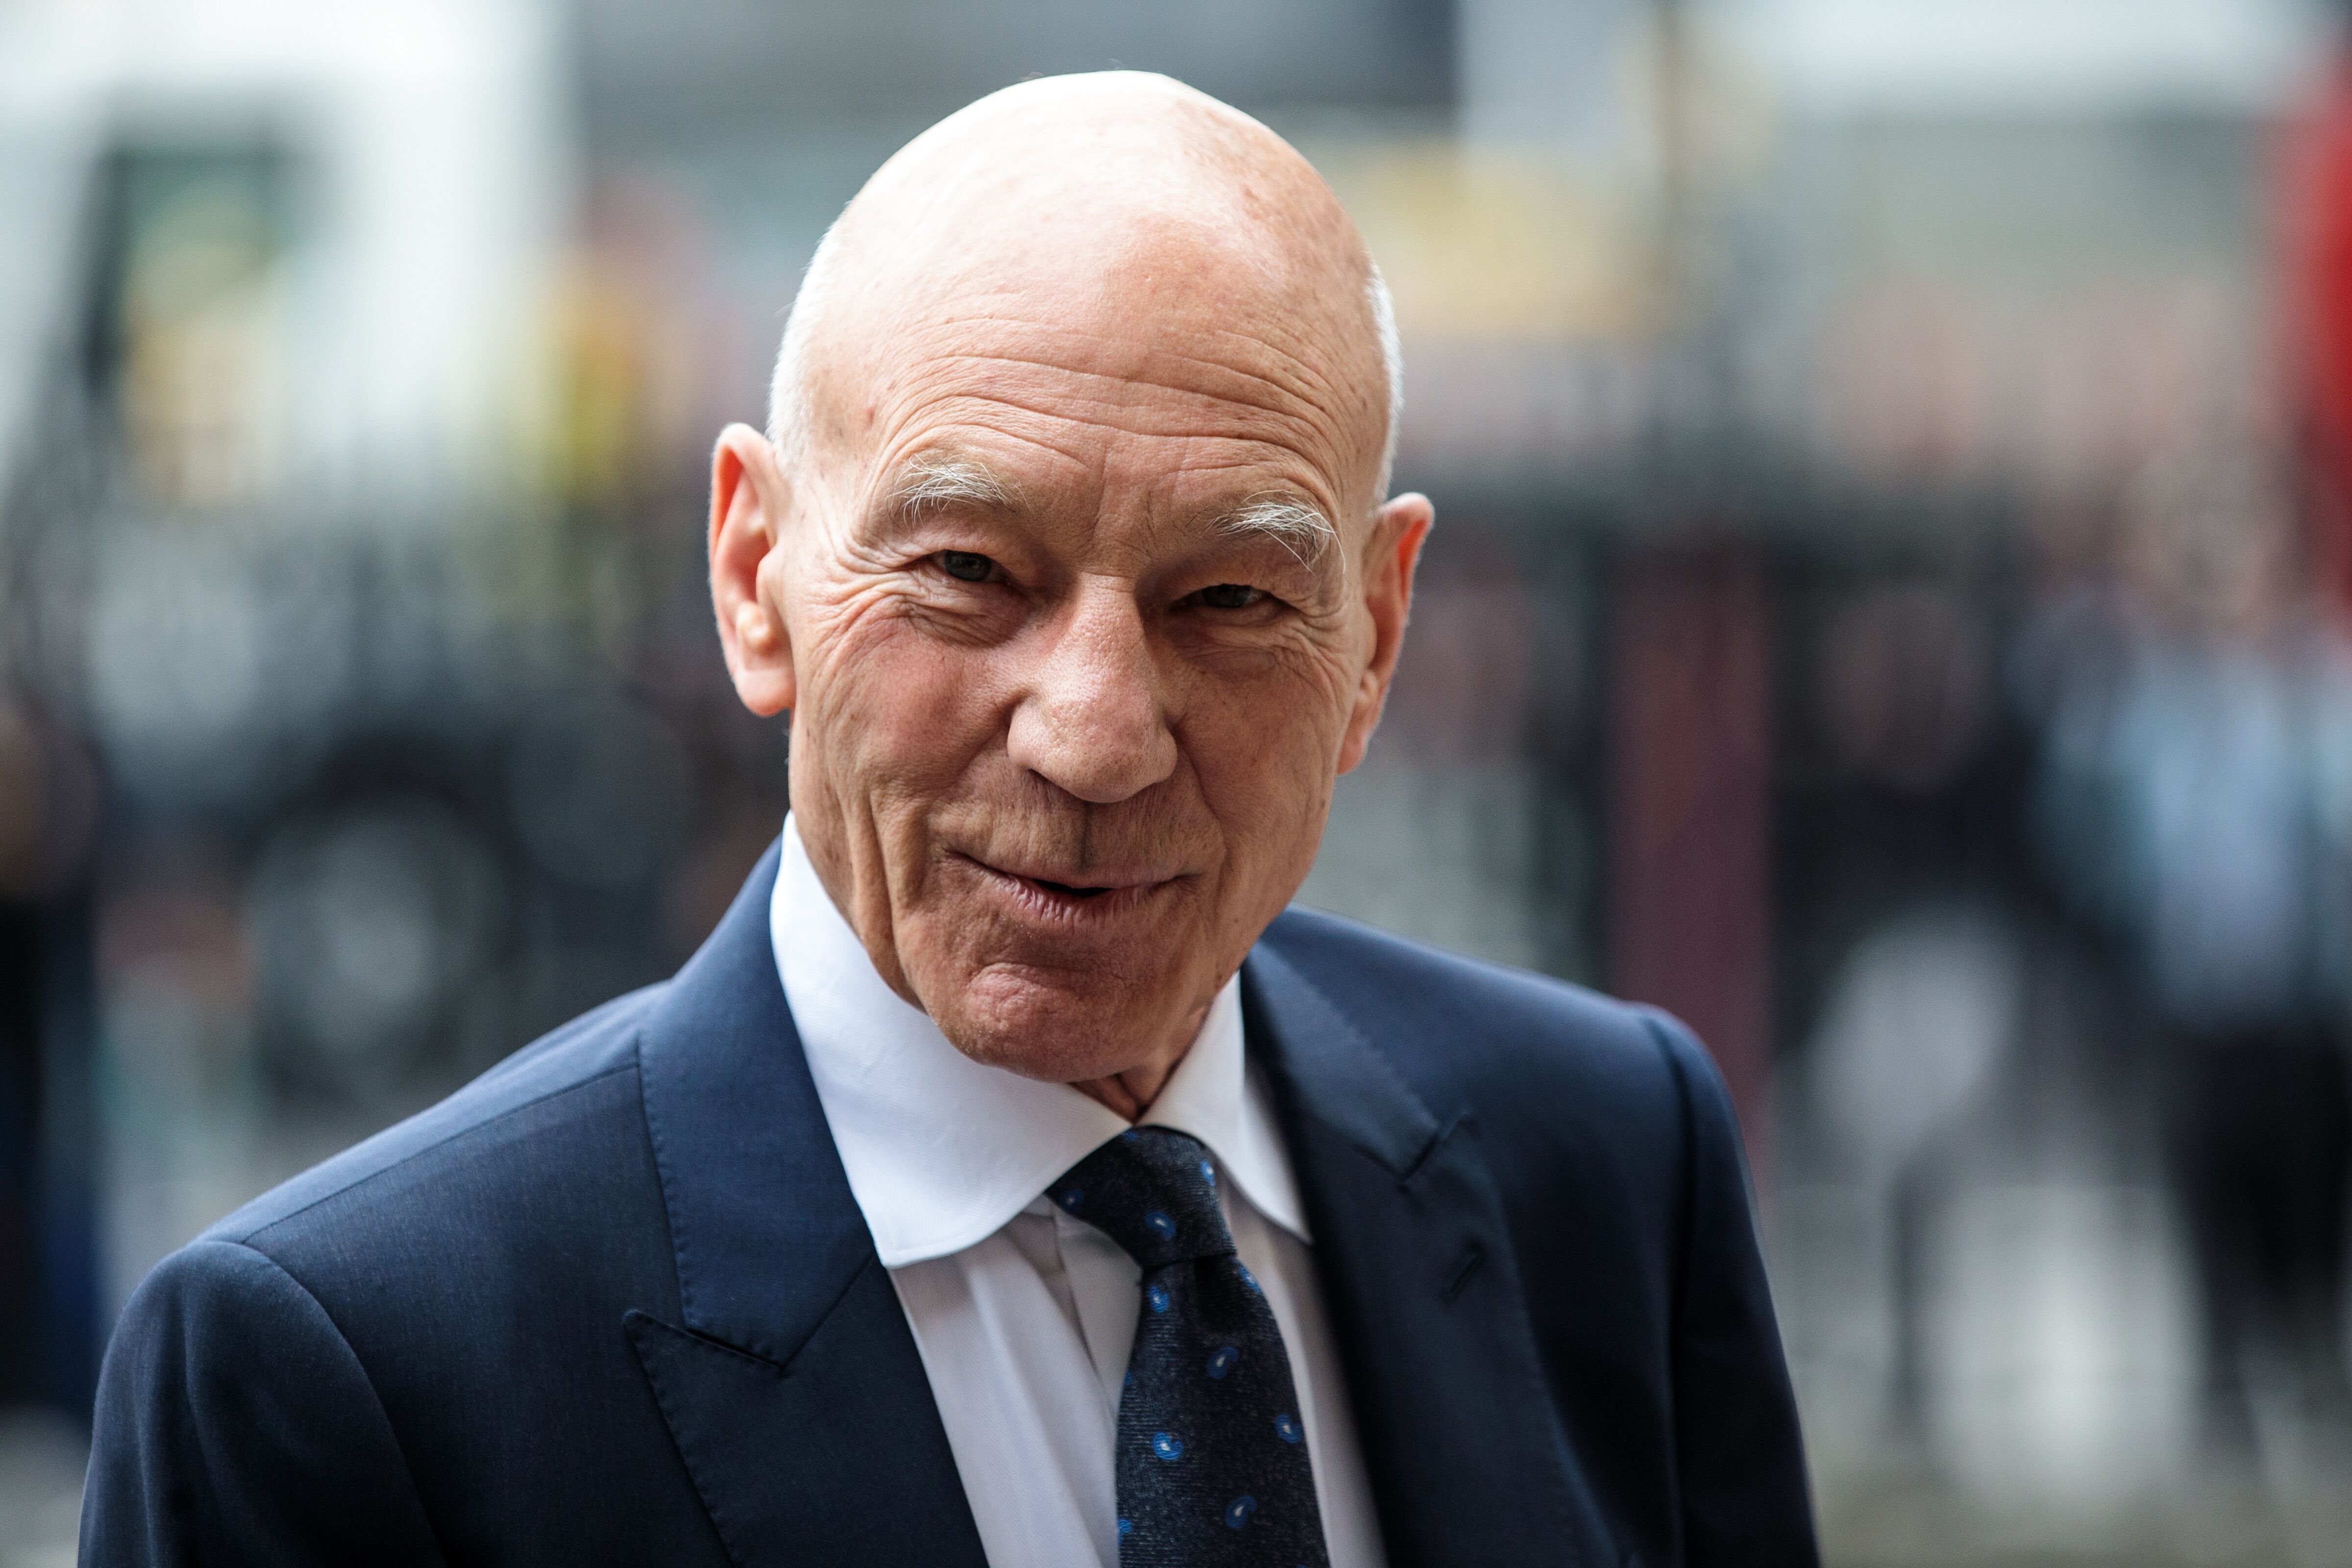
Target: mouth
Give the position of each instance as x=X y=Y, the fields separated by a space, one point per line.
x=1055 y=899
x=1064 y=890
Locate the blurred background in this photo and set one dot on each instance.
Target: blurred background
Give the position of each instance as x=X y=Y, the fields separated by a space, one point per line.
x=1894 y=471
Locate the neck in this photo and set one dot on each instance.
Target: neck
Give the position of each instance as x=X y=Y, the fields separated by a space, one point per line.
x=1131 y=1090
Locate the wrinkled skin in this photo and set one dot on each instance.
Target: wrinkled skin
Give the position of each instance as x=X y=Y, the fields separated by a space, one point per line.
x=1061 y=752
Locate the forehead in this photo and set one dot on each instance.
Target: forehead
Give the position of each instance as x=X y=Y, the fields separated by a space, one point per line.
x=1143 y=353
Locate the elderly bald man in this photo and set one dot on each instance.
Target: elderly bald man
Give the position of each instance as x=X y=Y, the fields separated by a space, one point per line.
x=1010 y=1178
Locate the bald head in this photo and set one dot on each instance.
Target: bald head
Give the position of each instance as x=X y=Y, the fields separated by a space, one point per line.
x=1118 y=200
x=1068 y=555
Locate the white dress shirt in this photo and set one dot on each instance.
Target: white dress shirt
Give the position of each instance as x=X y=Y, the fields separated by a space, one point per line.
x=1023 y=1316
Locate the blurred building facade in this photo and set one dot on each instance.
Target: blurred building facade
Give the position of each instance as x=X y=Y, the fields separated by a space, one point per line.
x=1781 y=369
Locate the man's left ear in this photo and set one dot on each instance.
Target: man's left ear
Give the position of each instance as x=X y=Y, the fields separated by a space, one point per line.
x=1390 y=556
x=750 y=500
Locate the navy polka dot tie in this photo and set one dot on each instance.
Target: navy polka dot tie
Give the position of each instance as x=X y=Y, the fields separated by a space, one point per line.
x=1212 y=1460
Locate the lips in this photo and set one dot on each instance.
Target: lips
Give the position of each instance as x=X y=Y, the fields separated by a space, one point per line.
x=1097 y=896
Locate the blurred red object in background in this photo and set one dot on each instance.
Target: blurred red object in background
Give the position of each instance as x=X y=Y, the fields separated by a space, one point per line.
x=2316 y=190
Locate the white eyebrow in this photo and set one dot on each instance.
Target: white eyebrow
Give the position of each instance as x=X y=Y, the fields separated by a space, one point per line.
x=1298 y=528
x=939 y=480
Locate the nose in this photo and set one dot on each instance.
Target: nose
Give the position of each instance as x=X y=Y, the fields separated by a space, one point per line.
x=1093 y=721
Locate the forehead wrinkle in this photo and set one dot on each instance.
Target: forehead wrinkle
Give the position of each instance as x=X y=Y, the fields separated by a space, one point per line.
x=1287 y=425
x=1261 y=459
x=1289 y=373
x=1007 y=493
x=1263 y=449
x=1274 y=334
x=1301 y=387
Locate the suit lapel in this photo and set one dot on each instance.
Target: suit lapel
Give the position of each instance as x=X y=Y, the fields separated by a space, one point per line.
x=1468 y=1459
x=792 y=1387
x=799 y=1402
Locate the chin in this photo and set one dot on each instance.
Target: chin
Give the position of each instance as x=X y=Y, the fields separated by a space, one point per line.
x=1059 y=1027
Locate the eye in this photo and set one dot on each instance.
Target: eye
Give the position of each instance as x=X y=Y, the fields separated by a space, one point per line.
x=1231 y=597
x=965 y=567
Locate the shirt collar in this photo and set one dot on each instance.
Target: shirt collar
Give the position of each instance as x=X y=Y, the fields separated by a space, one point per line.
x=941 y=1150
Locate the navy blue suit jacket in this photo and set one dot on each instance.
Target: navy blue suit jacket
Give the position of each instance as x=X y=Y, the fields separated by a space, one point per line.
x=614 y=1301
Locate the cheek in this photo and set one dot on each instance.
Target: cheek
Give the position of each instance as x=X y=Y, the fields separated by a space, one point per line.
x=1265 y=750
x=889 y=713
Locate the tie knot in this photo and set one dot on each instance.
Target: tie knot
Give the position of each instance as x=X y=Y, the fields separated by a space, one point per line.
x=1153 y=1191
